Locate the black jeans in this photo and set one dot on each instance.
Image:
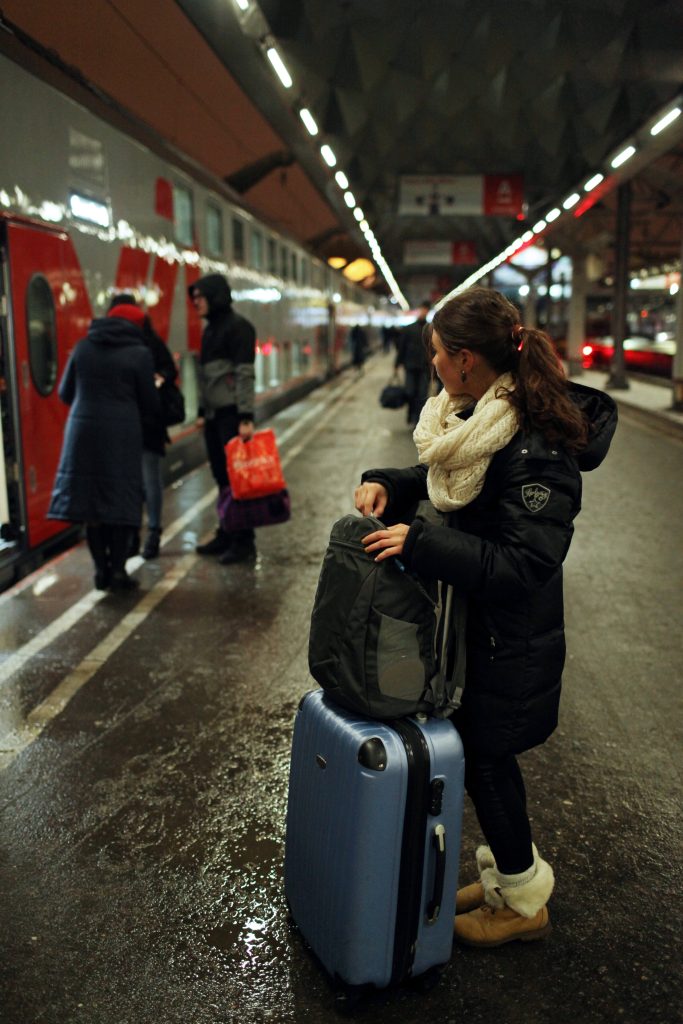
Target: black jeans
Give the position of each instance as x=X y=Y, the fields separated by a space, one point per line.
x=217 y=432
x=496 y=788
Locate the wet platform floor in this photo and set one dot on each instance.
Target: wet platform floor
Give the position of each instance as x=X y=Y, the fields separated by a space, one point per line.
x=145 y=746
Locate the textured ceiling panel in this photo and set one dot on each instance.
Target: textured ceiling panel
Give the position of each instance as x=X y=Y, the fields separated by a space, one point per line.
x=499 y=86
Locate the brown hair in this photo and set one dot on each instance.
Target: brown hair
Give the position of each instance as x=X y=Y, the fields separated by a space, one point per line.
x=484 y=321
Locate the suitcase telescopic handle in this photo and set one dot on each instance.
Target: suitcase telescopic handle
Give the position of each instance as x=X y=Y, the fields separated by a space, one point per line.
x=439 y=843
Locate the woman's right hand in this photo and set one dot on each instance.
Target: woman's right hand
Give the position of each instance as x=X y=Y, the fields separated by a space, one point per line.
x=371 y=499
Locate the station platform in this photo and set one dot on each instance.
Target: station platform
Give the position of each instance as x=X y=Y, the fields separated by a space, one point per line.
x=145 y=743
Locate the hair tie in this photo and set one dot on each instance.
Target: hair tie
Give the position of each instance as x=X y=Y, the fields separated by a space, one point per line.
x=517 y=332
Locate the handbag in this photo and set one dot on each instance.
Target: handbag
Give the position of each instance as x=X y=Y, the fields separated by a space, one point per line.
x=236 y=515
x=172 y=403
x=254 y=468
x=393 y=396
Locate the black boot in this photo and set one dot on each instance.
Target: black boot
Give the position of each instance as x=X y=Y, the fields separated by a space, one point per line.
x=151 y=548
x=97 y=543
x=219 y=543
x=119 y=546
x=242 y=548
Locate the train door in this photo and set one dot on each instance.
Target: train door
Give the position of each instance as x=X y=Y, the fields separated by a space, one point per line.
x=47 y=309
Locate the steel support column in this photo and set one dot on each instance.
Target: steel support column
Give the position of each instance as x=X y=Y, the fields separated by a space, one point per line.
x=677 y=368
x=576 y=333
x=617 y=378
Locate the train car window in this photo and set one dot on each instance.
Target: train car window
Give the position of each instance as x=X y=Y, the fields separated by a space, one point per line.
x=257 y=250
x=237 y=240
x=304 y=270
x=41 y=328
x=284 y=262
x=183 y=215
x=214 y=230
x=293 y=272
x=272 y=256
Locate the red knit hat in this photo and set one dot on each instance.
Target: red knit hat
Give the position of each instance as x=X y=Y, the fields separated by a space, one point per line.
x=128 y=312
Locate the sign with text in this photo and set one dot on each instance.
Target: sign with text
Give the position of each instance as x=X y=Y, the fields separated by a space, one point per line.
x=439 y=253
x=500 y=195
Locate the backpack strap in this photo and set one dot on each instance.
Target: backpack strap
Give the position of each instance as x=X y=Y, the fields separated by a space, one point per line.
x=448 y=684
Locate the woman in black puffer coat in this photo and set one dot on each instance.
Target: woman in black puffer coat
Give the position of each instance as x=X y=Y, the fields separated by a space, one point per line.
x=109 y=384
x=501 y=454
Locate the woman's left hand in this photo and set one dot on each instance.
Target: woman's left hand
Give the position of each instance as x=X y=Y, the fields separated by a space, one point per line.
x=389 y=543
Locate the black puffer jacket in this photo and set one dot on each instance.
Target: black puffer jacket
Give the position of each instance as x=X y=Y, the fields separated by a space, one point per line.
x=226 y=364
x=109 y=384
x=504 y=552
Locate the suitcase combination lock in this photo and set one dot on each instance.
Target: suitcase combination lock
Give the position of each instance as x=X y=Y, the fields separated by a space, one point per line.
x=435 y=796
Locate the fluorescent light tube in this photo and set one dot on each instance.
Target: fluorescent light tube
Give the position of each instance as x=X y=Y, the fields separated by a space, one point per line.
x=308 y=119
x=622 y=157
x=280 y=69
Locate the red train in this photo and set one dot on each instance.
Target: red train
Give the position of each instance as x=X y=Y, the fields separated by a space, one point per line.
x=91 y=204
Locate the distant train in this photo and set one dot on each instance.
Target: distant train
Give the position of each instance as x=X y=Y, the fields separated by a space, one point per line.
x=643 y=355
x=91 y=203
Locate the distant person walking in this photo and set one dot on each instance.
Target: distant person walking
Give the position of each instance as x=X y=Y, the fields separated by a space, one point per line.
x=412 y=356
x=154 y=433
x=359 y=347
x=226 y=380
x=109 y=385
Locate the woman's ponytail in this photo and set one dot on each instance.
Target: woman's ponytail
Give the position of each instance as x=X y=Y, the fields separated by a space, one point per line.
x=541 y=395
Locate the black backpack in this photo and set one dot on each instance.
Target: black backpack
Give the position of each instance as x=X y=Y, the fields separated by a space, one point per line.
x=375 y=630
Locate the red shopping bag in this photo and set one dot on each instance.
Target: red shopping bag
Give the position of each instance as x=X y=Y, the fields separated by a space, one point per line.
x=254 y=468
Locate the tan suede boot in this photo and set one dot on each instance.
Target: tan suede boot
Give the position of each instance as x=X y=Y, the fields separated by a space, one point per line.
x=469 y=898
x=487 y=926
x=515 y=907
x=472 y=896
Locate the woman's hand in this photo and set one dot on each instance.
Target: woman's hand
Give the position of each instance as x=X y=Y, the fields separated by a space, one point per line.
x=371 y=499
x=389 y=543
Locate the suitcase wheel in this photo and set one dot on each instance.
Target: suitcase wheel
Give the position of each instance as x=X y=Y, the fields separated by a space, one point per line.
x=424 y=983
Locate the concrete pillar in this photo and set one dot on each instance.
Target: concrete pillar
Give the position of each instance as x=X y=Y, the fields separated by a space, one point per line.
x=617 y=378
x=530 y=305
x=677 y=368
x=548 y=297
x=576 y=333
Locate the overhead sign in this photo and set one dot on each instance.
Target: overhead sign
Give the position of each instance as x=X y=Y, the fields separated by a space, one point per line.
x=439 y=253
x=462 y=194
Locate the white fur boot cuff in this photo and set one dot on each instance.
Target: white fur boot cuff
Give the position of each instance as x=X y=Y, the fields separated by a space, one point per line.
x=525 y=893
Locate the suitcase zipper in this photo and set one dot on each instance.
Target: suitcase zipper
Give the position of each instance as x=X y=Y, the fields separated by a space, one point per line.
x=412 y=848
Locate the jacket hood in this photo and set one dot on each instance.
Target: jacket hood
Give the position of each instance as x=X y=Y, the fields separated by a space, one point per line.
x=111 y=330
x=216 y=291
x=601 y=411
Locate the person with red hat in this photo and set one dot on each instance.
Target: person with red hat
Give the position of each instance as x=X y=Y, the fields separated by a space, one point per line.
x=155 y=435
x=109 y=385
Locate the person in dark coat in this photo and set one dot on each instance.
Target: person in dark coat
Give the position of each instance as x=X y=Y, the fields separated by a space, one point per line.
x=226 y=380
x=109 y=385
x=358 y=339
x=502 y=449
x=411 y=355
x=154 y=433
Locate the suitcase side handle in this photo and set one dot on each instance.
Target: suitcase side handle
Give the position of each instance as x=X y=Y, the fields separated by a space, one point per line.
x=439 y=843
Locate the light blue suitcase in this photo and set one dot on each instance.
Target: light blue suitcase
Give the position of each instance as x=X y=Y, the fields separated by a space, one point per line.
x=373 y=841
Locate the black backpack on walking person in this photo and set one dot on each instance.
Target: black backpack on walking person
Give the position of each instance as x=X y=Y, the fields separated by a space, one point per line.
x=376 y=630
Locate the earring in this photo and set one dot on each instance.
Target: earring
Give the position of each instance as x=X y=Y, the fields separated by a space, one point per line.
x=463 y=376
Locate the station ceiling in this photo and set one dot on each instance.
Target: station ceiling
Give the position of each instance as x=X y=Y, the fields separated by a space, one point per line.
x=546 y=90
x=539 y=88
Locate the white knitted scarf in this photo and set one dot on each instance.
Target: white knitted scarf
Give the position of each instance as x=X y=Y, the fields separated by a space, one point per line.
x=458 y=452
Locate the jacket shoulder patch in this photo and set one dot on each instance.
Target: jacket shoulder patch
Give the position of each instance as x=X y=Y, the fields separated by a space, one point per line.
x=535 y=496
